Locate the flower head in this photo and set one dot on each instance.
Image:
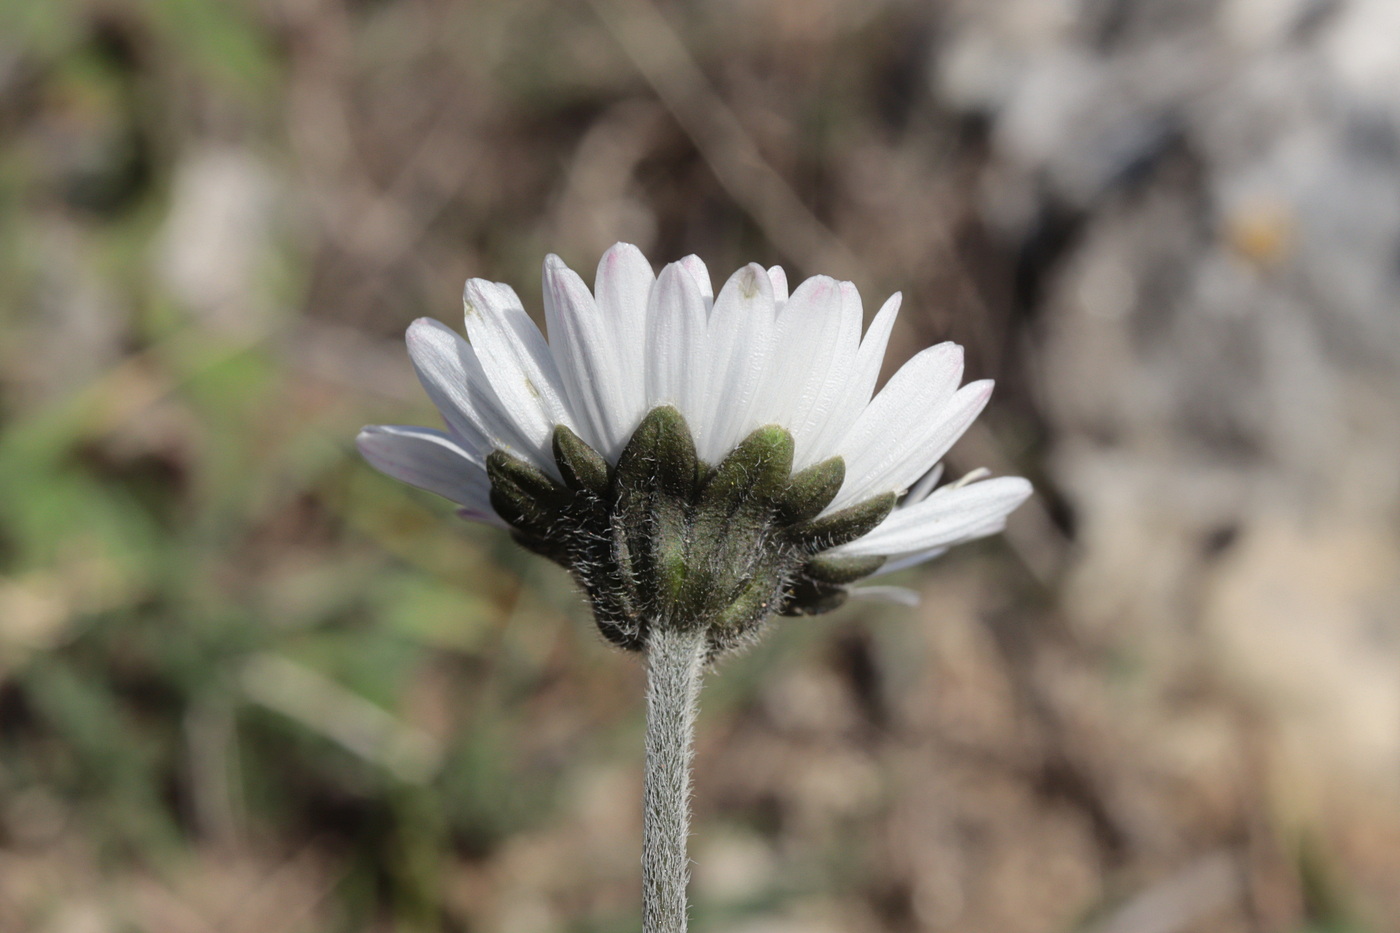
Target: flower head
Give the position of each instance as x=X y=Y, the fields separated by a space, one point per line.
x=695 y=459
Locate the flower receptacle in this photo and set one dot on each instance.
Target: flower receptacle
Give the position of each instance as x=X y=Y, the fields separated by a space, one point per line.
x=663 y=539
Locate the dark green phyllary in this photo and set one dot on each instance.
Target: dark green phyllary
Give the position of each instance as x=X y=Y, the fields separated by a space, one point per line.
x=663 y=539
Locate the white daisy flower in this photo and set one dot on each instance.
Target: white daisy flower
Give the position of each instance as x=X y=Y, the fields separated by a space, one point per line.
x=687 y=454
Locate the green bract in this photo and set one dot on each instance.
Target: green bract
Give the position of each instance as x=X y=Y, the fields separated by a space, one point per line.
x=664 y=539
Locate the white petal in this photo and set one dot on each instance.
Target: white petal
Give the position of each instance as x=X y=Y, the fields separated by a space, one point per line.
x=778 y=277
x=899 y=595
x=429 y=460
x=944 y=518
x=947 y=426
x=842 y=402
x=804 y=384
x=971 y=476
x=956 y=417
x=701 y=274
x=920 y=490
x=872 y=348
x=582 y=349
x=898 y=423
x=519 y=366
x=452 y=376
x=906 y=561
x=740 y=341
x=864 y=373
x=623 y=289
x=676 y=358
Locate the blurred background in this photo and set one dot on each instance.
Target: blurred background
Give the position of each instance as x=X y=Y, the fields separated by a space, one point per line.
x=247 y=685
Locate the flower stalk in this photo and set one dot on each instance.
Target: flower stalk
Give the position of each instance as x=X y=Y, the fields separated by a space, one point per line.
x=699 y=462
x=675 y=660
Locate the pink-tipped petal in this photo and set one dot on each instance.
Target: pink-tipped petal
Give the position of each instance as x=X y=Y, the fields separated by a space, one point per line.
x=622 y=290
x=677 y=350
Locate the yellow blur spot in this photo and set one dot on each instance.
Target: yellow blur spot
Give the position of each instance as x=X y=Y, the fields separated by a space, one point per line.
x=1261 y=232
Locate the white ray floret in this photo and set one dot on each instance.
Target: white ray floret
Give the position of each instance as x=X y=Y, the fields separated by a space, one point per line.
x=754 y=354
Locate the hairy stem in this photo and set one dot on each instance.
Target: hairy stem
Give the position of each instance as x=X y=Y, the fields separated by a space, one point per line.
x=674 y=661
